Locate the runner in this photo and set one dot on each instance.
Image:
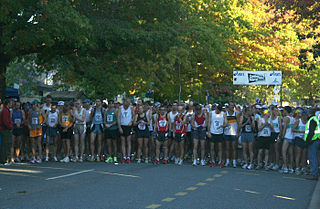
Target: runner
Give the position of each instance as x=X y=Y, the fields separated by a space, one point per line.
x=264 y=139
x=52 y=131
x=275 y=139
x=171 y=116
x=287 y=134
x=161 y=128
x=18 y=118
x=88 y=108
x=66 y=121
x=300 y=145
x=143 y=134
x=199 y=123
x=231 y=134
x=25 y=152
x=179 y=133
x=217 y=122
x=97 y=115
x=125 y=122
x=247 y=136
x=189 y=136
x=79 y=130
x=36 y=118
x=111 y=132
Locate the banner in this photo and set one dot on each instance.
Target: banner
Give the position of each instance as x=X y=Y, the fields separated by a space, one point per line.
x=257 y=77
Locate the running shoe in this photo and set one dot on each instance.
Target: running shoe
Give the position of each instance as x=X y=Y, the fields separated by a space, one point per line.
x=245 y=166
x=275 y=167
x=211 y=164
x=176 y=161
x=98 y=158
x=109 y=160
x=220 y=164
x=91 y=158
x=270 y=166
x=297 y=171
x=250 y=167
x=123 y=160
x=259 y=166
x=157 y=162
x=39 y=160
x=284 y=170
x=65 y=160
x=115 y=160
x=194 y=162
x=7 y=164
x=203 y=163
x=139 y=161
x=128 y=160
x=47 y=159
x=234 y=162
x=304 y=171
x=55 y=159
x=180 y=162
x=291 y=171
x=146 y=161
x=18 y=160
x=266 y=168
x=102 y=158
x=227 y=163
x=80 y=160
x=165 y=161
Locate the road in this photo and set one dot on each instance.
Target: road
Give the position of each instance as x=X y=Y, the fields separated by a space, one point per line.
x=100 y=185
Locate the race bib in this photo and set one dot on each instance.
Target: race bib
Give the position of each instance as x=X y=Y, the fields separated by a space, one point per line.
x=141 y=126
x=65 y=118
x=98 y=117
x=53 y=120
x=266 y=131
x=216 y=124
x=248 y=128
x=178 y=126
x=109 y=118
x=162 y=123
x=35 y=121
x=17 y=121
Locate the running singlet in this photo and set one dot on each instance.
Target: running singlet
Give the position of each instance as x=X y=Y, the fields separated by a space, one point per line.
x=301 y=127
x=46 y=108
x=276 y=126
x=88 y=113
x=111 y=118
x=200 y=122
x=233 y=126
x=97 y=117
x=16 y=117
x=65 y=119
x=52 y=119
x=172 y=117
x=289 y=133
x=266 y=131
x=180 y=128
x=216 y=121
x=35 y=119
x=142 y=126
x=189 y=117
x=126 y=116
x=247 y=128
x=162 y=123
x=79 y=115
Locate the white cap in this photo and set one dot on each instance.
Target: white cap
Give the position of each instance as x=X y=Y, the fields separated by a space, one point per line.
x=60 y=103
x=265 y=106
x=317 y=114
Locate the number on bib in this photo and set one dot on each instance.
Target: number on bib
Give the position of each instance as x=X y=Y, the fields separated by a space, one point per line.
x=248 y=128
x=109 y=118
x=65 y=118
x=162 y=123
x=35 y=121
x=17 y=121
x=52 y=120
x=141 y=126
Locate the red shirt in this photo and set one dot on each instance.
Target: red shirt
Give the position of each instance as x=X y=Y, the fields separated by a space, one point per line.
x=162 y=123
x=5 y=119
x=180 y=128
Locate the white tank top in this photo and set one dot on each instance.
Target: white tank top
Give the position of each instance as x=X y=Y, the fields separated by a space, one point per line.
x=79 y=115
x=126 y=116
x=289 y=133
x=52 y=119
x=301 y=127
x=88 y=113
x=151 y=124
x=189 y=117
x=172 y=117
x=233 y=125
x=216 y=121
x=276 y=125
x=266 y=131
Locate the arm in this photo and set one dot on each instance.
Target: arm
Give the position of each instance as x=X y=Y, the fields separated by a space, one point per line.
x=295 y=125
x=7 y=119
x=312 y=128
x=155 y=124
x=262 y=125
x=135 y=123
x=192 y=122
x=286 y=122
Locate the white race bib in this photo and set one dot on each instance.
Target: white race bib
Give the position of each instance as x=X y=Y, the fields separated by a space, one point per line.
x=17 y=121
x=65 y=118
x=35 y=121
x=142 y=126
x=162 y=123
x=109 y=118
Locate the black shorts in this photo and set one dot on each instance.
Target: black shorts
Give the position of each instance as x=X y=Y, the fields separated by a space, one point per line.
x=200 y=134
x=274 y=137
x=17 y=132
x=189 y=136
x=299 y=142
x=127 y=131
x=264 y=142
x=51 y=132
x=26 y=132
x=67 y=134
x=216 y=138
x=179 y=137
x=162 y=136
x=143 y=134
x=111 y=134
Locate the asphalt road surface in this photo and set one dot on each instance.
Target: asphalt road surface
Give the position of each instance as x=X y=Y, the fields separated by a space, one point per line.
x=101 y=185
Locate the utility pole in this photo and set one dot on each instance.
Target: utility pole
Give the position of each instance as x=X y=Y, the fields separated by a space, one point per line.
x=179 y=83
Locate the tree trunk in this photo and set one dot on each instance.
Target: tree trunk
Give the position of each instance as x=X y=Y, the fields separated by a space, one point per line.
x=4 y=62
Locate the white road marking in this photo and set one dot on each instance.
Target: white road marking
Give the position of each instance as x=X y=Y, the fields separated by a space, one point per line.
x=117 y=174
x=70 y=174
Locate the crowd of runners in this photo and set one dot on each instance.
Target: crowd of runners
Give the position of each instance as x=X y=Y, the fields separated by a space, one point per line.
x=226 y=135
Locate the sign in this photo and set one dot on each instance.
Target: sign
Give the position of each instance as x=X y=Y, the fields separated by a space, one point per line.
x=257 y=77
x=276 y=90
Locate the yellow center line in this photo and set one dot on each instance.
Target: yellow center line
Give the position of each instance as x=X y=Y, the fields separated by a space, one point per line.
x=169 y=199
x=201 y=184
x=19 y=170
x=217 y=175
x=283 y=197
x=224 y=172
x=210 y=179
x=153 y=206
x=181 y=193
x=191 y=188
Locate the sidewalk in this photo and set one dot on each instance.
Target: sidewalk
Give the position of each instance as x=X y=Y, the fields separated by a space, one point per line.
x=315 y=200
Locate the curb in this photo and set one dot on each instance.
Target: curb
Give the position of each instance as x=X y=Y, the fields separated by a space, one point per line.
x=315 y=199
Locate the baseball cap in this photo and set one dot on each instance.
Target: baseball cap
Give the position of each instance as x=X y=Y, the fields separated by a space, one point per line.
x=60 y=103
x=265 y=106
x=258 y=107
x=87 y=101
x=265 y=111
x=157 y=104
x=35 y=102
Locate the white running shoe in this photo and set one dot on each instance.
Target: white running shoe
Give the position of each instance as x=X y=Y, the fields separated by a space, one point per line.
x=227 y=163
x=139 y=161
x=275 y=167
x=65 y=160
x=250 y=167
x=176 y=161
x=47 y=159
x=180 y=162
x=245 y=166
x=203 y=163
x=55 y=159
x=146 y=161
x=194 y=162
x=234 y=162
